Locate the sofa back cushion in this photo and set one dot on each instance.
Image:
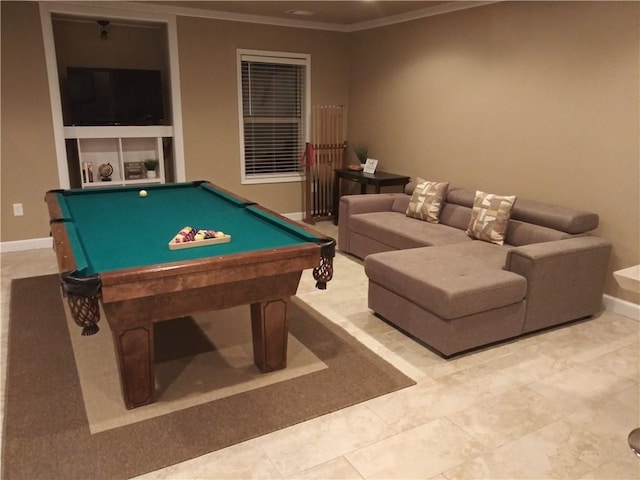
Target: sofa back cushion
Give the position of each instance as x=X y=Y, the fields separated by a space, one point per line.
x=564 y=219
x=411 y=186
x=401 y=203
x=522 y=233
x=531 y=221
x=461 y=196
x=556 y=217
x=455 y=216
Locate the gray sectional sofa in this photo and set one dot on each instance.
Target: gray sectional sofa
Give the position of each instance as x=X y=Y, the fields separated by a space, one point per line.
x=455 y=293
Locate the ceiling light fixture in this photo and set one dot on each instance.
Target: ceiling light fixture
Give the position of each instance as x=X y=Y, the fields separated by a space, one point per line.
x=104 y=33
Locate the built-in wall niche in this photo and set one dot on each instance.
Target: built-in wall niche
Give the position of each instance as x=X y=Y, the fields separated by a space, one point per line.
x=115 y=93
x=130 y=44
x=122 y=79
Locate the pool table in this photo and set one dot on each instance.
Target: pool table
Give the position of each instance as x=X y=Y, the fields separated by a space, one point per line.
x=111 y=245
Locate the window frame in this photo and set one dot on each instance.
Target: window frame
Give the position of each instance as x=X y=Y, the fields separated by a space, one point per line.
x=303 y=59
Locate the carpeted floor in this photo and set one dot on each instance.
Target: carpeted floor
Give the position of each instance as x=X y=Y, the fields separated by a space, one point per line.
x=47 y=432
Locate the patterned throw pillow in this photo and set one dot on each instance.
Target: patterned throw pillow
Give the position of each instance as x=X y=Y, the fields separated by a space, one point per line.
x=426 y=200
x=490 y=217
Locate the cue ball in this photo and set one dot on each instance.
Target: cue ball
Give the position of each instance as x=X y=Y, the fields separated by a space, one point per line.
x=143 y=193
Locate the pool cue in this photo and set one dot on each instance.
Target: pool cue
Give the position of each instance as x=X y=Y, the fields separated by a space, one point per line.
x=315 y=165
x=321 y=162
x=326 y=153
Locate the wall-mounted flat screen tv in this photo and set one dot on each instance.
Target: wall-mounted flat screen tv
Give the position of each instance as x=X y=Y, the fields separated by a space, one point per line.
x=113 y=96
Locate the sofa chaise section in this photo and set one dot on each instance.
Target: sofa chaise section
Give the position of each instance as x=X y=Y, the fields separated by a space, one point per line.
x=451 y=297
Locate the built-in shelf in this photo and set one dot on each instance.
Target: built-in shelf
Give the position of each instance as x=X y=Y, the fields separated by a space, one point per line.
x=118 y=131
x=123 y=148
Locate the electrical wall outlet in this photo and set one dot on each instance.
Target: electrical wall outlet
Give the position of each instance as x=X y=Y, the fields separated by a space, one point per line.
x=17 y=210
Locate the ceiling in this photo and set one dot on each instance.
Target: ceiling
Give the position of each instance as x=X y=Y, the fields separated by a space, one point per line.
x=347 y=13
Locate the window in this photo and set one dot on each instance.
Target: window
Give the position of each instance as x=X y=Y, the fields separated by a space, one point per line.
x=273 y=108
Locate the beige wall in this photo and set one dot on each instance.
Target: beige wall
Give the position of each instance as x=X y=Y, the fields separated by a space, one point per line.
x=207 y=56
x=207 y=51
x=535 y=99
x=28 y=157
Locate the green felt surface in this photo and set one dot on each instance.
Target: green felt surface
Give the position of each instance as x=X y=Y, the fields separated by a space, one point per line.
x=115 y=228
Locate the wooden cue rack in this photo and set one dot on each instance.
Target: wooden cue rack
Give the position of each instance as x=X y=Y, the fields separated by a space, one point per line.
x=323 y=154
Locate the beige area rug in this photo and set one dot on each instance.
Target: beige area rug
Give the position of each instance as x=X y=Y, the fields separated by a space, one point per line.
x=64 y=416
x=199 y=359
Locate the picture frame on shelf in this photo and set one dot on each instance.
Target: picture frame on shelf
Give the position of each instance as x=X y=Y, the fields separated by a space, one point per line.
x=370 y=166
x=134 y=171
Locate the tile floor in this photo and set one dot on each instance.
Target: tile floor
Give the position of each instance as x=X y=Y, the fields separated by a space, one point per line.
x=558 y=405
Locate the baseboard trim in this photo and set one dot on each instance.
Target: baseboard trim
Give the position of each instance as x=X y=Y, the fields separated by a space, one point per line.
x=621 y=307
x=297 y=216
x=31 y=244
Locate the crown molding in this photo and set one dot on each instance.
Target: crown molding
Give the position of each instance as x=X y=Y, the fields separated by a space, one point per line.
x=441 y=9
x=144 y=7
x=175 y=10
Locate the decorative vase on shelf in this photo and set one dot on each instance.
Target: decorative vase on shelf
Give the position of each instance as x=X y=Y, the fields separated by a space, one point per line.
x=151 y=174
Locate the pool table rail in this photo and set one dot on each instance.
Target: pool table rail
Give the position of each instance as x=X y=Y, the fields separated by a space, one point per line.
x=62 y=247
x=152 y=280
x=55 y=210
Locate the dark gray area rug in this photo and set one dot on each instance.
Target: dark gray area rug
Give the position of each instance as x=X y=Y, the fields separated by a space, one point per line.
x=46 y=434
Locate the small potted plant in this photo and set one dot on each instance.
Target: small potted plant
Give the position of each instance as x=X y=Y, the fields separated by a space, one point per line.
x=150 y=165
x=362 y=152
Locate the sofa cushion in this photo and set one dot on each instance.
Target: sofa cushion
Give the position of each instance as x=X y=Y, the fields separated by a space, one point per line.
x=521 y=233
x=556 y=217
x=410 y=187
x=490 y=217
x=400 y=203
x=426 y=201
x=455 y=216
x=399 y=231
x=461 y=196
x=450 y=281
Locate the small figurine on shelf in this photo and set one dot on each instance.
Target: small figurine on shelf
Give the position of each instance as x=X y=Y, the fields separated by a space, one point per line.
x=150 y=165
x=90 y=172
x=105 y=170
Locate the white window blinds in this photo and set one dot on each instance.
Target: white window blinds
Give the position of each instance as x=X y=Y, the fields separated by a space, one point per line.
x=273 y=115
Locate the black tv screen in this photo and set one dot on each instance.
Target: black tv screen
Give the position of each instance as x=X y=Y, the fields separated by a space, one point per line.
x=110 y=96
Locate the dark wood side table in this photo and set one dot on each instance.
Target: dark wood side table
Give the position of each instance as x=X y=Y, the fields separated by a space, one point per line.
x=377 y=179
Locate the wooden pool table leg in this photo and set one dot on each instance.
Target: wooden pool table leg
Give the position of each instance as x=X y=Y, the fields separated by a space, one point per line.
x=270 y=331
x=135 y=354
